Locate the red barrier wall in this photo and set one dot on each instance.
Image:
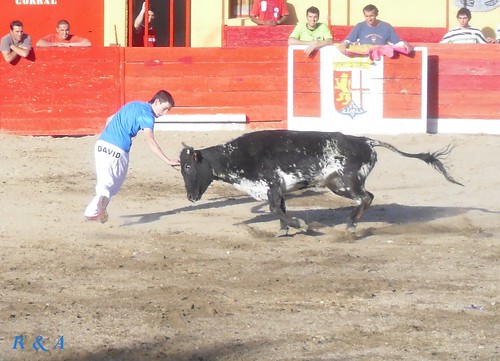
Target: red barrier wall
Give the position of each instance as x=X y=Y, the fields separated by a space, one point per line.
x=464 y=81
x=73 y=91
x=65 y=91
x=212 y=80
x=402 y=86
x=306 y=86
x=256 y=36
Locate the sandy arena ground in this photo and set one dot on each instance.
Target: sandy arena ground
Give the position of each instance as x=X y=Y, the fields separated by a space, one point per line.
x=165 y=279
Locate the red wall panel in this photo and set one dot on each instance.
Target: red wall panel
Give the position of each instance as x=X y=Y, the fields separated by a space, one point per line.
x=65 y=91
x=463 y=81
x=306 y=85
x=402 y=84
x=257 y=36
x=212 y=80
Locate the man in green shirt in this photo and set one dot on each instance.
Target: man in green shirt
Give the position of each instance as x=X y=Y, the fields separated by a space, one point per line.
x=314 y=34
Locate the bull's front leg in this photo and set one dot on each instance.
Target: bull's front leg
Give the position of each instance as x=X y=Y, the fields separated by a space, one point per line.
x=278 y=207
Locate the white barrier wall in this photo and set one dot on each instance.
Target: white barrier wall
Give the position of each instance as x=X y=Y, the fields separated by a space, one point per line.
x=351 y=92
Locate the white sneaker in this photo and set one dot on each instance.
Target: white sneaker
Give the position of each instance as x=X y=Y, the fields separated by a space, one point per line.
x=102 y=214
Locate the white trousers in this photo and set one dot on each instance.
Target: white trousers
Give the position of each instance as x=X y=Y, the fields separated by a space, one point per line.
x=111 y=165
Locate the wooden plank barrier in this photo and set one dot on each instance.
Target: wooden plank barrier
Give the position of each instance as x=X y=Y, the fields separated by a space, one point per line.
x=73 y=91
x=465 y=79
x=213 y=80
x=355 y=94
x=63 y=91
x=402 y=86
x=258 y=36
x=306 y=85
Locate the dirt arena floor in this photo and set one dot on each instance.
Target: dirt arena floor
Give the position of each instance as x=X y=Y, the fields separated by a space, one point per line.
x=166 y=279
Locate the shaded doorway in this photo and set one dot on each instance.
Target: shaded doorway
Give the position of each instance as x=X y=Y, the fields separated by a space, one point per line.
x=171 y=22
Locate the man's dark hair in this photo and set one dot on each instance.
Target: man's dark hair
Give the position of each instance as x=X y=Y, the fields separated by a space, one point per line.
x=313 y=10
x=464 y=11
x=16 y=23
x=163 y=96
x=370 y=8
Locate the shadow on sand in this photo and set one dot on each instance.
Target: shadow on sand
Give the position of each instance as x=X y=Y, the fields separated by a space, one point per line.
x=391 y=213
x=168 y=351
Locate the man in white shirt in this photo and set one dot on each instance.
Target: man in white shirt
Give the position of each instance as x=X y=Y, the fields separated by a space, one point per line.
x=465 y=34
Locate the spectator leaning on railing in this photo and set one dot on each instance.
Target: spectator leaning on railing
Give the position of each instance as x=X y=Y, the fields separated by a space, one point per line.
x=465 y=34
x=63 y=38
x=374 y=32
x=313 y=33
x=16 y=43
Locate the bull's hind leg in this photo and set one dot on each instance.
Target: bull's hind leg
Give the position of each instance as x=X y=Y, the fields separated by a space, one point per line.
x=278 y=207
x=352 y=188
x=363 y=200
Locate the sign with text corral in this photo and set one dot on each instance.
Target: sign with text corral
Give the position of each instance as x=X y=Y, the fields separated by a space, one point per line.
x=356 y=94
x=36 y=2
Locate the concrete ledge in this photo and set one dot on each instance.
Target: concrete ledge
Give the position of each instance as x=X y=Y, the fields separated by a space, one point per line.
x=464 y=126
x=360 y=127
x=201 y=122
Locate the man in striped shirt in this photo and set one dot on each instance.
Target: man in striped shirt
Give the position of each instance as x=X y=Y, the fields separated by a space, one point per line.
x=465 y=34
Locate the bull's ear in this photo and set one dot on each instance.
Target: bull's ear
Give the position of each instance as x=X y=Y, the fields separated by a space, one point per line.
x=197 y=157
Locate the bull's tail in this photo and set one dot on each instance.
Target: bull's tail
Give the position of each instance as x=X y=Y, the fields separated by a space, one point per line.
x=434 y=159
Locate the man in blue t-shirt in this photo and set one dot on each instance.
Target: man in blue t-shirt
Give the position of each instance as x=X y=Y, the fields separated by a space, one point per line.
x=373 y=32
x=112 y=149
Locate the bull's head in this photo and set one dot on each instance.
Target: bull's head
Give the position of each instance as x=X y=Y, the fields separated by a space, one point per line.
x=196 y=171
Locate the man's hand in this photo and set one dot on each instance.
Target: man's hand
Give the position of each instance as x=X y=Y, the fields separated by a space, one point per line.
x=343 y=47
x=311 y=49
x=408 y=46
x=270 y=23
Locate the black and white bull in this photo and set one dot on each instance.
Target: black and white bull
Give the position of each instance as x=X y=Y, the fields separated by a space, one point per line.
x=268 y=164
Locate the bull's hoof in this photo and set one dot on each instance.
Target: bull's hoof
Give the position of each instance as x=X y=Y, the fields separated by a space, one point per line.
x=313 y=226
x=299 y=224
x=351 y=232
x=283 y=232
x=296 y=223
x=351 y=236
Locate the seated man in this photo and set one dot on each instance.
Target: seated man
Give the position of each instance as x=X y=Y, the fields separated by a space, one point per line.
x=465 y=34
x=314 y=34
x=16 y=43
x=62 y=38
x=373 y=32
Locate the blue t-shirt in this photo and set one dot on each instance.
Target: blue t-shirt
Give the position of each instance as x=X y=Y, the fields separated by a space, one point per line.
x=381 y=34
x=127 y=122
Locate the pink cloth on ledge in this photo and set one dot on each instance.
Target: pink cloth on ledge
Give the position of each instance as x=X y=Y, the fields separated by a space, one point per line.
x=376 y=52
x=386 y=50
